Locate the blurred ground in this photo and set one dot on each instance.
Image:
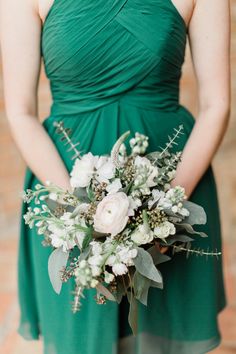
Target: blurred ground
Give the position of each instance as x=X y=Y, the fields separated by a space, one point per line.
x=11 y=179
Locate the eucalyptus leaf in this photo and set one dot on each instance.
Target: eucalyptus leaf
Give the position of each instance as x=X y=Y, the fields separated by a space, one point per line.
x=52 y=204
x=86 y=241
x=127 y=189
x=120 y=291
x=144 y=265
x=56 y=262
x=154 y=284
x=90 y=194
x=190 y=229
x=81 y=194
x=197 y=213
x=178 y=238
x=157 y=256
x=104 y=291
x=141 y=287
x=133 y=313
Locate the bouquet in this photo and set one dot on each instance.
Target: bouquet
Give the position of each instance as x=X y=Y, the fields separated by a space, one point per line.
x=111 y=231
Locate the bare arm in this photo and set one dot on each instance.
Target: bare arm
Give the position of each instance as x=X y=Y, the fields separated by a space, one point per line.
x=209 y=36
x=20 y=46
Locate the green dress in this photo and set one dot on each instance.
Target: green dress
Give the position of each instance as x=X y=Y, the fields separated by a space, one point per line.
x=113 y=66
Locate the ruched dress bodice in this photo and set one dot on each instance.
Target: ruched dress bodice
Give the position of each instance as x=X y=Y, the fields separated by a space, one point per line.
x=113 y=66
x=98 y=53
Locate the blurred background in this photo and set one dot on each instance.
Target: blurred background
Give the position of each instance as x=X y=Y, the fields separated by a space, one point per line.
x=12 y=169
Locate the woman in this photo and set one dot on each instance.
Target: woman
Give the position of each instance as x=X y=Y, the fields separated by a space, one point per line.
x=114 y=66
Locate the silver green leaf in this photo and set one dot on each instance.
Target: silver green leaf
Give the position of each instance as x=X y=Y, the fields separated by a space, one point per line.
x=157 y=256
x=145 y=266
x=141 y=287
x=133 y=313
x=56 y=262
x=197 y=213
x=190 y=229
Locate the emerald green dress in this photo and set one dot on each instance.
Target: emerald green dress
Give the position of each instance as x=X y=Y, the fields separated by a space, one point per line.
x=113 y=66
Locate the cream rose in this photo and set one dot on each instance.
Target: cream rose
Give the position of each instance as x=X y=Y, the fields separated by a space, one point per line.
x=142 y=235
x=164 y=230
x=112 y=214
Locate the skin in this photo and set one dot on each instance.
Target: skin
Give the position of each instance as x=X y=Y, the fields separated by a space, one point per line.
x=209 y=38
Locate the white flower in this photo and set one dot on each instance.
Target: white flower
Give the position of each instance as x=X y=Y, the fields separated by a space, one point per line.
x=142 y=163
x=53 y=196
x=95 y=260
x=96 y=247
x=111 y=214
x=142 y=235
x=89 y=166
x=184 y=212
x=96 y=271
x=119 y=269
x=156 y=196
x=114 y=186
x=83 y=170
x=164 y=230
x=134 y=203
x=94 y=283
x=105 y=169
x=111 y=260
x=109 y=277
x=59 y=236
x=125 y=254
x=82 y=208
x=68 y=220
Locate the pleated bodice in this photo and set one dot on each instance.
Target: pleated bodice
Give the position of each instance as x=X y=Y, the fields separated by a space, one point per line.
x=98 y=52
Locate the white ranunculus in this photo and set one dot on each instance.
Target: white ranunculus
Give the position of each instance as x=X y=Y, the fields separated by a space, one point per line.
x=142 y=235
x=119 y=269
x=105 y=169
x=111 y=214
x=114 y=186
x=164 y=230
x=83 y=170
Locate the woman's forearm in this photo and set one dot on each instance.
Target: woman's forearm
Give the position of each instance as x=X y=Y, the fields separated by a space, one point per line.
x=201 y=147
x=38 y=150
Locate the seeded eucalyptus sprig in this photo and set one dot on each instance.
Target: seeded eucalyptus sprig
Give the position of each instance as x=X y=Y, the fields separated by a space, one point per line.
x=194 y=251
x=66 y=132
x=172 y=140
